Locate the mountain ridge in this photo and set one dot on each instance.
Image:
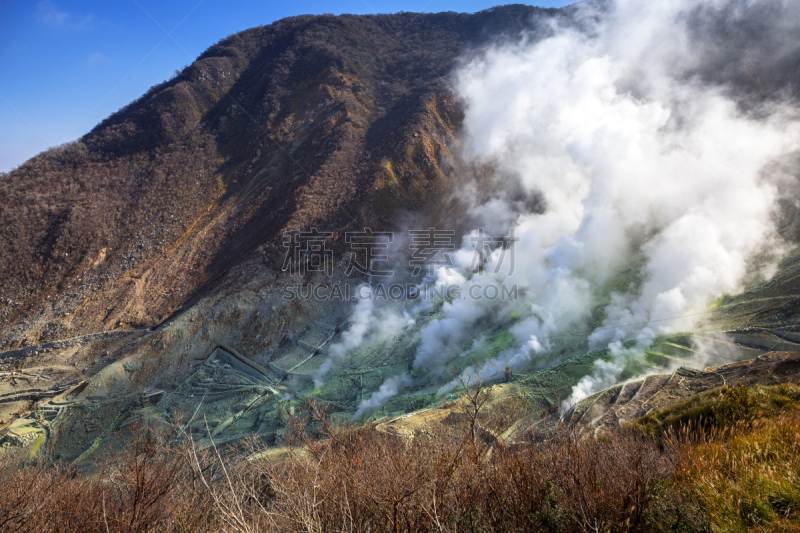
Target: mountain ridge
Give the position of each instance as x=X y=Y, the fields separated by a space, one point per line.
x=143 y=261
x=165 y=196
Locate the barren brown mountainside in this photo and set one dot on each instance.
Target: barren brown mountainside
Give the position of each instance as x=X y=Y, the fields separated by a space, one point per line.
x=142 y=277
x=339 y=122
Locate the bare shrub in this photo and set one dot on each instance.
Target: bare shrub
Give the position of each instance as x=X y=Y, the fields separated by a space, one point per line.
x=347 y=478
x=144 y=486
x=361 y=479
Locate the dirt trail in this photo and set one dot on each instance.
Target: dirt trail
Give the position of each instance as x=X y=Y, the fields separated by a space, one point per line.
x=36 y=349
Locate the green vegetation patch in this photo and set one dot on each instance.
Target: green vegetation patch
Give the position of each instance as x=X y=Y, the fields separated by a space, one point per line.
x=725 y=299
x=627 y=281
x=492 y=347
x=37 y=444
x=724 y=407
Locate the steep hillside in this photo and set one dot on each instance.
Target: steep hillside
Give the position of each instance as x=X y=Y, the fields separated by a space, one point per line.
x=143 y=274
x=138 y=259
x=314 y=120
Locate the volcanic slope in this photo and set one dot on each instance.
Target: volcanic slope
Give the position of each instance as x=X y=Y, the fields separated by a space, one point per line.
x=142 y=265
x=129 y=256
x=339 y=122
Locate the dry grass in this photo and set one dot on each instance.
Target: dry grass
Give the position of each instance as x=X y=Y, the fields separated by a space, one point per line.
x=349 y=479
x=748 y=476
x=737 y=477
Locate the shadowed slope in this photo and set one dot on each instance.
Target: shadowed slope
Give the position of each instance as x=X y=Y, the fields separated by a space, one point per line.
x=314 y=120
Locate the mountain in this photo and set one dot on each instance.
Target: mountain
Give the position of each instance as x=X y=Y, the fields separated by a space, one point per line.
x=339 y=122
x=143 y=266
x=180 y=200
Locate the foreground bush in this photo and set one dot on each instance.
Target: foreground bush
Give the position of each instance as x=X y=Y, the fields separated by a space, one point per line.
x=740 y=477
x=148 y=486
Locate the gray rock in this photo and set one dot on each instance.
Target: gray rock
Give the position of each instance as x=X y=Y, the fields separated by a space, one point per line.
x=132 y=366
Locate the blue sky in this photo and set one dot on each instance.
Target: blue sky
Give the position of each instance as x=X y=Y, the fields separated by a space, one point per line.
x=64 y=66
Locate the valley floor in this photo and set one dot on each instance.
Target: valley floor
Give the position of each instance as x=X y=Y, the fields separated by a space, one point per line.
x=721 y=460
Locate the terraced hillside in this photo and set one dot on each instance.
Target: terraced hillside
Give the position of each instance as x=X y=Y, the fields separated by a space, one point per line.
x=626 y=403
x=194 y=373
x=340 y=122
x=143 y=278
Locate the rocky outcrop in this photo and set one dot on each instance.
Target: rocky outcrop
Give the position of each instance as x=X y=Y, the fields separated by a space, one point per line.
x=624 y=404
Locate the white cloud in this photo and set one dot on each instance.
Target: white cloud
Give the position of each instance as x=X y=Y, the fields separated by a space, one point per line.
x=50 y=15
x=97 y=58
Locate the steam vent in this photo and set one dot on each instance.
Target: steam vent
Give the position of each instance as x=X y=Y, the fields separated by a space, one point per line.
x=528 y=268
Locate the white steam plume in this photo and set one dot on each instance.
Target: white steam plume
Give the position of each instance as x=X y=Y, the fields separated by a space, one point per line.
x=367 y=323
x=360 y=324
x=641 y=145
x=388 y=389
